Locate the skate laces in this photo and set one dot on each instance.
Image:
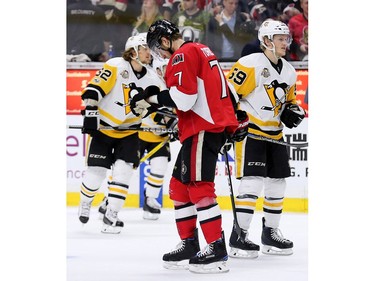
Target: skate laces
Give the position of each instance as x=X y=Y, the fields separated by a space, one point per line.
x=277 y=235
x=206 y=250
x=248 y=241
x=85 y=209
x=179 y=247
x=112 y=215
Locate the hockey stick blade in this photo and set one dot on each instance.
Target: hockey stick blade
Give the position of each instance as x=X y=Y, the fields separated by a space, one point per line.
x=257 y=137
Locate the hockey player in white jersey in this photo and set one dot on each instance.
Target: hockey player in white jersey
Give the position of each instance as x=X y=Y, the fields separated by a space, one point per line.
x=156 y=145
x=266 y=83
x=160 y=159
x=107 y=97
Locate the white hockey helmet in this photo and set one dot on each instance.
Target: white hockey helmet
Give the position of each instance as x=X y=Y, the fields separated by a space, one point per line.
x=270 y=28
x=159 y=66
x=135 y=41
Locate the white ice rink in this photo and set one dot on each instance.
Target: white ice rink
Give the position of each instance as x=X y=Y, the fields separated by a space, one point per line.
x=136 y=253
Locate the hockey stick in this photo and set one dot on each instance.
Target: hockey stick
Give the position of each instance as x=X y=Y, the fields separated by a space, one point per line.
x=121 y=128
x=160 y=145
x=153 y=151
x=241 y=234
x=257 y=137
x=166 y=113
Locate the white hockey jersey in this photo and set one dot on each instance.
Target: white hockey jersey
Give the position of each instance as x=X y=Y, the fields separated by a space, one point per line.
x=263 y=91
x=110 y=86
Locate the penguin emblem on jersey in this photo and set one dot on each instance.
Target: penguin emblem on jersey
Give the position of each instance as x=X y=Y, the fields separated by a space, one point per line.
x=277 y=95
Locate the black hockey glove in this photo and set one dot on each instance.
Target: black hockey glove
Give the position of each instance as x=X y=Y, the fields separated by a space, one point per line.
x=138 y=104
x=243 y=124
x=292 y=115
x=90 y=120
x=159 y=119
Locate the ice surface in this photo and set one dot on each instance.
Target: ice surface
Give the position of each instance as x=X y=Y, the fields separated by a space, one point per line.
x=136 y=253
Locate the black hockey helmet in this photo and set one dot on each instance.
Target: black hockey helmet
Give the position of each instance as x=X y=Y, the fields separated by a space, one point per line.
x=160 y=28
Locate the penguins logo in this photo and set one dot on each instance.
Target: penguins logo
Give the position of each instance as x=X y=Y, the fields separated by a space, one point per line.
x=277 y=94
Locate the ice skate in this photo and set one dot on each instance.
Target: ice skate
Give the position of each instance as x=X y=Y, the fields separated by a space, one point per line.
x=151 y=208
x=212 y=259
x=103 y=208
x=179 y=257
x=274 y=243
x=242 y=248
x=84 y=212
x=111 y=224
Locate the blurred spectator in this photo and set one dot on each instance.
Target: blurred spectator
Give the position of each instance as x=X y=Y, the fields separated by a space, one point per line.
x=87 y=31
x=120 y=15
x=166 y=10
x=298 y=26
x=150 y=13
x=275 y=7
x=288 y=12
x=192 y=21
x=214 y=7
x=259 y=13
x=177 y=6
x=229 y=31
x=201 y=4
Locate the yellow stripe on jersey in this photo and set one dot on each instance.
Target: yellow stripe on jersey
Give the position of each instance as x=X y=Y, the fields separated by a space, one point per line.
x=242 y=78
x=105 y=78
x=239 y=155
x=243 y=203
x=117 y=121
x=291 y=95
x=118 y=190
x=261 y=133
x=259 y=122
x=268 y=204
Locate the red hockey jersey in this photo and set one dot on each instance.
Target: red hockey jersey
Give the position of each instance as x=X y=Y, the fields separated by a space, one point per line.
x=200 y=91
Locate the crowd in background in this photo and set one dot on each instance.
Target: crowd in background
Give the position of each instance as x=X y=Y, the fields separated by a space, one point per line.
x=98 y=29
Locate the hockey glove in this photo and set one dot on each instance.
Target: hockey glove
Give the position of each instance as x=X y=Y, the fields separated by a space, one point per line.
x=292 y=115
x=243 y=124
x=90 y=120
x=138 y=104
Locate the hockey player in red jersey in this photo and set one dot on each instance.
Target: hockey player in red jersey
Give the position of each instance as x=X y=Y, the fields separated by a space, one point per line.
x=206 y=112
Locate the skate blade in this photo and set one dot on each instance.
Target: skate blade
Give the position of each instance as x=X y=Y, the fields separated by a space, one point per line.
x=243 y=254
x=269 y=250
x=109 y=229
x=215 y=267
x=176 y=265
x=150 y=216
